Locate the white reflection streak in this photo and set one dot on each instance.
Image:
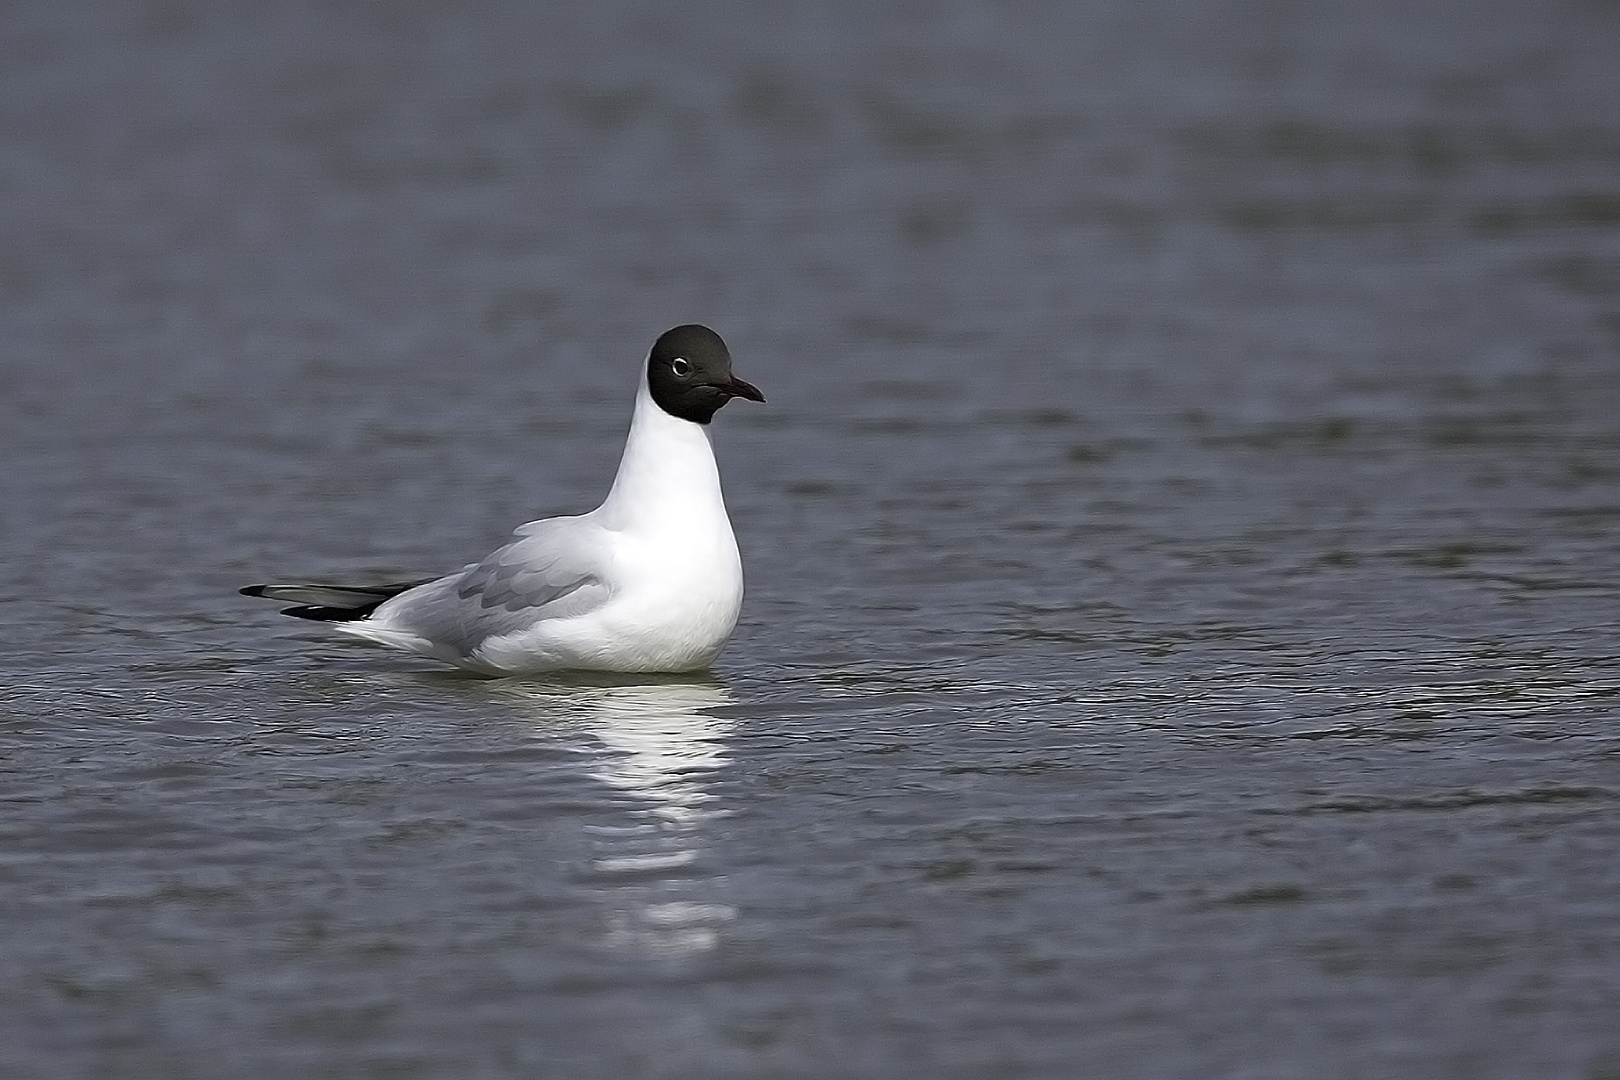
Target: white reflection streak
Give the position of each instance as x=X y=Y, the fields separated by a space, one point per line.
x=663 y=751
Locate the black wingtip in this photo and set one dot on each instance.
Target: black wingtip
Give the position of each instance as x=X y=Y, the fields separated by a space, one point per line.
x=324 y=614
x=331 y=603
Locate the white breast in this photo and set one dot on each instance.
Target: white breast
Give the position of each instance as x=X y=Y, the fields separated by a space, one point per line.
x=673 y=568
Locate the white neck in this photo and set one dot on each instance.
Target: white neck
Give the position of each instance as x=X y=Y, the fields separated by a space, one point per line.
x=667 y=471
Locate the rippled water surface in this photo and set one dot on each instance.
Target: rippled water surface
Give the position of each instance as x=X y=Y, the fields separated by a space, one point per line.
x=1182 y=540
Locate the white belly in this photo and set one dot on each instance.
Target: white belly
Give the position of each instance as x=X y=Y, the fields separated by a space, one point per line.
x=662 y=618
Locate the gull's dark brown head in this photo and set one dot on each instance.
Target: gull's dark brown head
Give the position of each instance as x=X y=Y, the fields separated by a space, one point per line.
x=689 y=374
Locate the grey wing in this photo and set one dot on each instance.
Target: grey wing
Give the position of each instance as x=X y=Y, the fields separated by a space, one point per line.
x=555 y=569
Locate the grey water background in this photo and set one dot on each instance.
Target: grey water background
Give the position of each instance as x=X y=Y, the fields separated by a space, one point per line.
x=1181 y=541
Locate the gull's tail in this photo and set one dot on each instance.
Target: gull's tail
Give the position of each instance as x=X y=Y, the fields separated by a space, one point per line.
x=332 y=603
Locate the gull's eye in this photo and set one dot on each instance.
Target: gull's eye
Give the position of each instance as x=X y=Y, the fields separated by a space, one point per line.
x=679 y=366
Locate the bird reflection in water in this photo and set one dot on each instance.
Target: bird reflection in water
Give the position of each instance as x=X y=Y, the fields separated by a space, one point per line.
x=655 y=742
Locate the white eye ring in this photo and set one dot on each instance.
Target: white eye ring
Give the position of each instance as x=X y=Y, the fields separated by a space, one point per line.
x=679 y=366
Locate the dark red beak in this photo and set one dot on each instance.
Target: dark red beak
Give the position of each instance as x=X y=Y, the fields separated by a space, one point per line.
x=737 y=388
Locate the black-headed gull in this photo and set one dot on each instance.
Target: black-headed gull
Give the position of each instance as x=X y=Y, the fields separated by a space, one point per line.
x=648 y=581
